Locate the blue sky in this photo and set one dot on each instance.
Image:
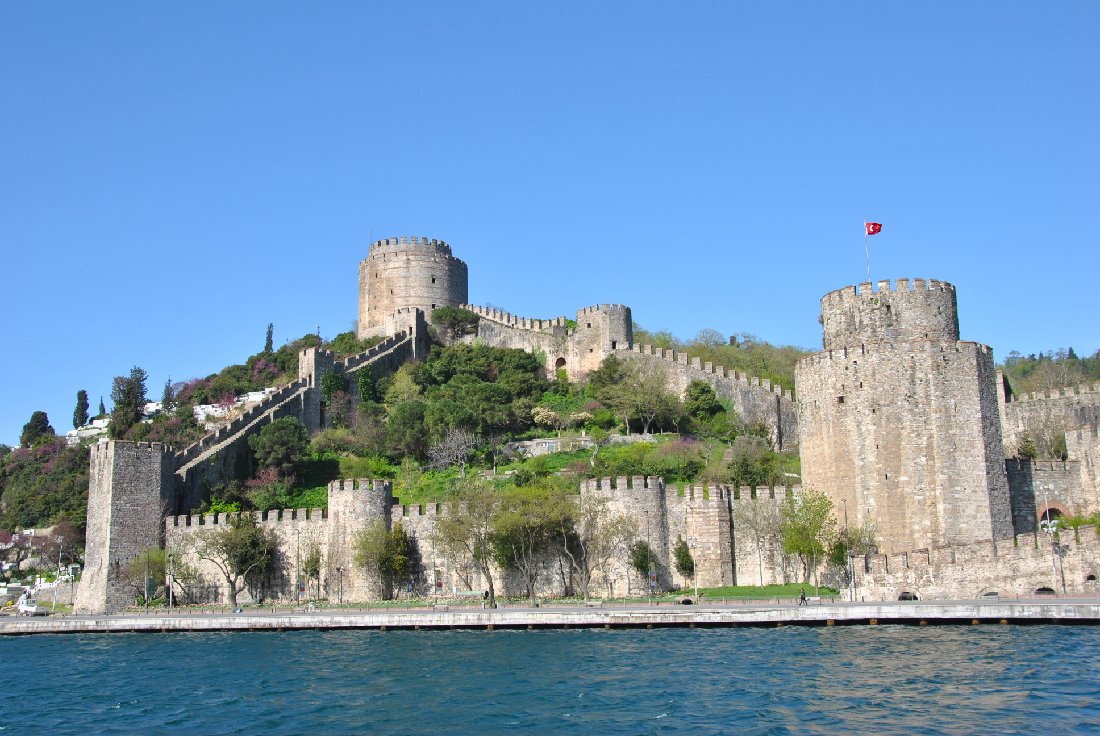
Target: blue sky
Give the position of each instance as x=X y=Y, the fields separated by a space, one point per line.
x=176 y=177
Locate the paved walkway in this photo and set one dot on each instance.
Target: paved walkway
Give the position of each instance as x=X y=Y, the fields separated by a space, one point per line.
x=1063 y=611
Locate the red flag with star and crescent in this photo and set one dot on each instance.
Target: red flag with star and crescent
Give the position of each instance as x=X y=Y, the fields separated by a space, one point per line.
x=873 y=228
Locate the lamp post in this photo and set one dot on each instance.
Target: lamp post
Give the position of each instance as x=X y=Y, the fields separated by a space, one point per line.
x=1050 y=526
x=691 y=544
x=60 y=547
x=171 y=579
x=851 y=559
x=298 y=567
x=649 y=559
x=340 y=576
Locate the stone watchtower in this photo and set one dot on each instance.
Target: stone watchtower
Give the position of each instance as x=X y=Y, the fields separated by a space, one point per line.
x=408 y=272
x=898 y=419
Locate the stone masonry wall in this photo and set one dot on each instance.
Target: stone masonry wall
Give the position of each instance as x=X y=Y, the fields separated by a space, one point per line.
x=1036 y=486
x=917 y=310
x=408 y=272
x=906 y=436
x=1010 y=567
x=754 y=399
x=129 y=491
x=1062 y=410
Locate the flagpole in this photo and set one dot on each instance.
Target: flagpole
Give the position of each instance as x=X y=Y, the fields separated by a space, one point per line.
x=867 y=251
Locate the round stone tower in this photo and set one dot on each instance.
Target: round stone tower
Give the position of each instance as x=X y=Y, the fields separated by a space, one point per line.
x=898 y=419
x=408 y=272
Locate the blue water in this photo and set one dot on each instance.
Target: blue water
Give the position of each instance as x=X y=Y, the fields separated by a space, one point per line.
x=850 y=680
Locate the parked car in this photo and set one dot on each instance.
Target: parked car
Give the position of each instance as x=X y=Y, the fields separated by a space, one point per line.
x=28 y=606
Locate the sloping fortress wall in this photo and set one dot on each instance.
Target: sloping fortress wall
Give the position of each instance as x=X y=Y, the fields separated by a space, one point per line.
x=1018 y=566
x=408 y=272
x=755 y=400
x=898 y=419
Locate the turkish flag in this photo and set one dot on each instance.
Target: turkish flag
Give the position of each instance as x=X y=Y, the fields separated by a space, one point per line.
x=873 y=228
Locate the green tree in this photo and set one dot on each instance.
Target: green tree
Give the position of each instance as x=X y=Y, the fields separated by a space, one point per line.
x=281 y=445
x=807 y=528
x=454 y=321
x=591 y=536
x=524 y=532
x=311 y=567
x=269 y=341
x=241 y=550
x=167 y=397
x=685 y=563
x=465 y=533
x=36 y=430
x=759 y=520
x=128 y=395
x=102 y=408
x=388 y=553
x=642 y=559
x=368 y=387
x=700 y=401
x=80 y=415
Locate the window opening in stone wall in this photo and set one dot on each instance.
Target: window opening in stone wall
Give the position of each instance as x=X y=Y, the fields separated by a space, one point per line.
x=559 y=363
x=433 y=279
x=1090 y=578
x=887 y=476
x=612 y=344
x=589 y=325
x=840 y=399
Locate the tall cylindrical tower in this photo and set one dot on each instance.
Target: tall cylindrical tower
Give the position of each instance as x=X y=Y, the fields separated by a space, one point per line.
x=898 y=419
x=408 y=272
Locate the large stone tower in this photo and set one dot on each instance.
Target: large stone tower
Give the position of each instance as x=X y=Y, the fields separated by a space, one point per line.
x=408 y=272
x=898 y=418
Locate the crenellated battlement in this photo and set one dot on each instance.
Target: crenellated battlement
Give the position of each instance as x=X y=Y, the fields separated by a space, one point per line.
x=1083 y=389
x=708 y=368
x=409 y=242
x=916 y=309
x=520 y=323
x=602 y=308
x=366 y=485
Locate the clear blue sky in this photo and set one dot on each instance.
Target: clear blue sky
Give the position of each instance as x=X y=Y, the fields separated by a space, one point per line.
x=176 y=177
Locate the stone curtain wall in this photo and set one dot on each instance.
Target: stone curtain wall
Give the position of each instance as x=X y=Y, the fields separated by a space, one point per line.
x=129 y=492
x=1084 y=444
x=1009 y=567
x=694 y=513
x=754 y=399
x=1048 y=484
x=408 y=272
x=1065 y=409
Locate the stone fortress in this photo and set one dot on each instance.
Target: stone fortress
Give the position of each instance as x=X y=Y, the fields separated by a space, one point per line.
x=905 y=427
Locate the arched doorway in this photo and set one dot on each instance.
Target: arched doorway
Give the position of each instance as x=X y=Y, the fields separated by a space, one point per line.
x=559 y=363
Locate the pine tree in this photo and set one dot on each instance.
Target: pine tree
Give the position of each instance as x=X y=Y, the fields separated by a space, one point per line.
x=128 y=394
x=102 y=408
x=168 y=398
x=80 y=416
x=38 y=426
x=269 y=342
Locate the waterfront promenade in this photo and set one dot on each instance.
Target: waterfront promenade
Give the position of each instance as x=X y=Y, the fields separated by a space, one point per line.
x=1061 y=611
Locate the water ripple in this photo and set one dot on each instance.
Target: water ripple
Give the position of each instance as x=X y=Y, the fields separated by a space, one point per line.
x=851 y=680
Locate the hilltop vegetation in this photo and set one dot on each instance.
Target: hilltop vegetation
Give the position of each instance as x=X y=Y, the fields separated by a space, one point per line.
x=1045 y=371
x=748 y=355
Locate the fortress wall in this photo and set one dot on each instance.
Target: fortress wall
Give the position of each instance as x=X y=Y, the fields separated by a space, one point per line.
x=1059 y=410
x=600 y=330
x=408 y=272
x=1041 y=484
x=754 y=399
x=1084 y=444
x=129 y=489
x=761 y=561
x=1010 y=567
x=908 y=310
x=906 y=434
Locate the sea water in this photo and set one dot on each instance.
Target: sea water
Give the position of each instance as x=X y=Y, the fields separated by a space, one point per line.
x=843 y=680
